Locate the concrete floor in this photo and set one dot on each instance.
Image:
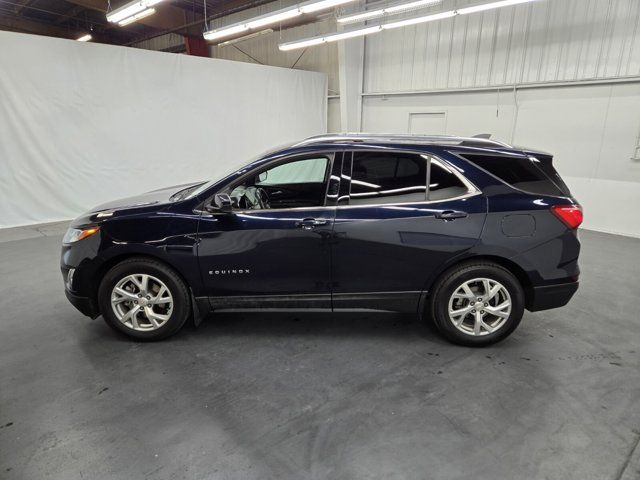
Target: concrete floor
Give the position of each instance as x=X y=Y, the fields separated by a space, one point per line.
x=316 y=396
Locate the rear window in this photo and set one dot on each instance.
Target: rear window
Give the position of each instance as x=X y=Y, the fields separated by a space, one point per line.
x=525 y=173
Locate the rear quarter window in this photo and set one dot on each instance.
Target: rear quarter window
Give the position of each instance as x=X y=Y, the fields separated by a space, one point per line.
x=524 y=173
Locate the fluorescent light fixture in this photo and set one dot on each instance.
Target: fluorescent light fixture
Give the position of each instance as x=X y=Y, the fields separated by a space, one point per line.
x=334 y=37
x=403 y=7
x=308 y=42
x=137 y=16
x=272 y=18
x=275 y=18
x=413 y=21
x=490 y=6
x=130 y=9
x=224 y=32
x=84 y=38
x=350 y=34
x=311 y=7
x=246 y=37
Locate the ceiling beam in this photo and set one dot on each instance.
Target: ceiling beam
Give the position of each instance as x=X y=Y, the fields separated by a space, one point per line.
x=23 y=3
x=23 y=25
x=72 y=12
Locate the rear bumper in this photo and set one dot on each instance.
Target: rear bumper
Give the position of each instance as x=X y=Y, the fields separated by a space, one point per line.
x=552 y=296
x=85 y=305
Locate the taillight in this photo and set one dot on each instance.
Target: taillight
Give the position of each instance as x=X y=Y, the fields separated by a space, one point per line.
x=570 y=215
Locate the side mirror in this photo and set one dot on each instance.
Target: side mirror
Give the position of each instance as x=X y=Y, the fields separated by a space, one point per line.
x=221 y=203
x=263 y=176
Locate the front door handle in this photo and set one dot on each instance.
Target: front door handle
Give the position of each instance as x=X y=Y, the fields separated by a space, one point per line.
x=310 y=223
x=450 y=215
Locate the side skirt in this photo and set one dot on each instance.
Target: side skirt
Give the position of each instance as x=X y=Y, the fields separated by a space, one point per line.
x=404 y=302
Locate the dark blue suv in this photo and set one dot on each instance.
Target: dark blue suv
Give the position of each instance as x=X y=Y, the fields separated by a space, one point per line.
x=467 y=232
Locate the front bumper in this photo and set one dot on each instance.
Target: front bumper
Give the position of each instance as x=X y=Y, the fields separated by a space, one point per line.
x=551 y=296
x=85 y=305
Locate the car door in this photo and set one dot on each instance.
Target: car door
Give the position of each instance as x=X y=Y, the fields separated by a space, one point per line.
x=276 y=256
x=395 y=233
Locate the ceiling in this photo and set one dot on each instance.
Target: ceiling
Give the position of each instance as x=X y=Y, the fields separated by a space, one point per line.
x=73 y=18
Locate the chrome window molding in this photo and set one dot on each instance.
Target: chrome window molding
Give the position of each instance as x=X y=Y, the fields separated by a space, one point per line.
x=472 y=189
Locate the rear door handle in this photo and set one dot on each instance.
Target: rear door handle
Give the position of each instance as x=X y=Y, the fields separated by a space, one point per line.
x=451 y=214
x=310 y=223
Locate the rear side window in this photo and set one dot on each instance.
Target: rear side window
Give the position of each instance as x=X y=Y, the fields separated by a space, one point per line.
x=443 y=183
x=388 y=178
x=525 y=173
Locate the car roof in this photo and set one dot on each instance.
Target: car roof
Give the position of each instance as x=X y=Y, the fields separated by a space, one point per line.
x=482 y=141
x=377 y=138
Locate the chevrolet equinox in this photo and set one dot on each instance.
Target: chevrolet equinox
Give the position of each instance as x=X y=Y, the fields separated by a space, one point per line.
x=465 y=232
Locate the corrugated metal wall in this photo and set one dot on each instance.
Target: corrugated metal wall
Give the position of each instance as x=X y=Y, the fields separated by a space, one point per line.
x=548 y=40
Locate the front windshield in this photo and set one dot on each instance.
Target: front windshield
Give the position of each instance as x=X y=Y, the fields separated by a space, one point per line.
x=233 y=171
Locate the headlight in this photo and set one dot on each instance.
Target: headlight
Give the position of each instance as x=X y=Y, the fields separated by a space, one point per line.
x=75 y=234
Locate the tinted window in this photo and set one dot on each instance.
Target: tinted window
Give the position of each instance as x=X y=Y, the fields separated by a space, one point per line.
x=310 y=170
x=443 y=183
x=522 y=172
x=295 y=184
x=388 y=178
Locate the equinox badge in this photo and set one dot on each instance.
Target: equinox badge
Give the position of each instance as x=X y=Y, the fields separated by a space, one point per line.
x=229 y=271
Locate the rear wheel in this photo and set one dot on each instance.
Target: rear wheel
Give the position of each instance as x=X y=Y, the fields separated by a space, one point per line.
x=477 y=304
x=144 y=299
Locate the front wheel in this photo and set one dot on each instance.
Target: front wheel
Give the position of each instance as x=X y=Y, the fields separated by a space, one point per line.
x=477 y=304
x=144 y=299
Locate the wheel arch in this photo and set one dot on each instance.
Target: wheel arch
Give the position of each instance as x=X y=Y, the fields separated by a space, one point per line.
x=111 y=262
x=509 y=265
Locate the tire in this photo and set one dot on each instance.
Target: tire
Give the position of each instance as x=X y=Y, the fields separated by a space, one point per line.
x=159 y=313
x=500 y=313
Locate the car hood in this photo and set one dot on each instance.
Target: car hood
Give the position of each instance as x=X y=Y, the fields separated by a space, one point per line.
x=154 y=197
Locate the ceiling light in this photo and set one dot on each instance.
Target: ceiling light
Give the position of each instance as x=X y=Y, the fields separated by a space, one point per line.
x=490 y=6
x=137 y=16
x=425 y=19
x=334 y=37
x=246 y=37
x=400 y=23
x=130 y=9
x=275 y=18
x=403 y=7
x=353 y=33
x=224 y=32
x=309 y=42
x=272 y=18
x=311 y=7
x=84 y=38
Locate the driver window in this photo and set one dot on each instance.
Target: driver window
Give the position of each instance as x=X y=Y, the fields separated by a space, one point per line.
x=294 y=184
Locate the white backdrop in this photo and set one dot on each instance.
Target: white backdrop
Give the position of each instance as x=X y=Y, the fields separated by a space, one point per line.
x=84 y=123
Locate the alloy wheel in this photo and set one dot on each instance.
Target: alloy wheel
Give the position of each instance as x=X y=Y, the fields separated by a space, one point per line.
x=142 y=302
x=479 y=307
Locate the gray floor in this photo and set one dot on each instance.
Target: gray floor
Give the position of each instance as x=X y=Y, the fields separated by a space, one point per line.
x=316 y=396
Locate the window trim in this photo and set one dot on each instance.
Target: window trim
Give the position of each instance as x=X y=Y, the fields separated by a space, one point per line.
x=472 y=190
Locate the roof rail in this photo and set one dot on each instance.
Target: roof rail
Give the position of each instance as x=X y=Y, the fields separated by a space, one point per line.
x=479 y=140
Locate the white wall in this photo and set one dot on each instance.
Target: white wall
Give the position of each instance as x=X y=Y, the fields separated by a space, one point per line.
x=83 y=123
